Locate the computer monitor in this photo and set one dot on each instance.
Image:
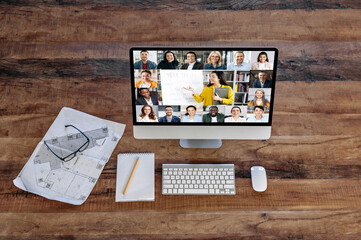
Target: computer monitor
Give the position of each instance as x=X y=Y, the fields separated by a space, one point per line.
x=201 y=95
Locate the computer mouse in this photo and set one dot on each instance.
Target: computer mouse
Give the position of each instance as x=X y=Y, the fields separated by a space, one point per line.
x=259 y=178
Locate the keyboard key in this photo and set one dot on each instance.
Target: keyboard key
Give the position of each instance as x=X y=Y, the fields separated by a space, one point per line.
x=195 y=191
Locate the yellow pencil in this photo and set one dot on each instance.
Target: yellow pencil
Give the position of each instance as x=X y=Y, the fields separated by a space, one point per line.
x=131 y=175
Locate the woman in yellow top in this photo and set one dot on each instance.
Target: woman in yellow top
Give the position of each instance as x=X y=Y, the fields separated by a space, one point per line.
x=259 y=99
x=208 y=95
x=146 y=82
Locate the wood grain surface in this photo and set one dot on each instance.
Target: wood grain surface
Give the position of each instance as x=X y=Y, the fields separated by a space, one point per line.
x=76 y=54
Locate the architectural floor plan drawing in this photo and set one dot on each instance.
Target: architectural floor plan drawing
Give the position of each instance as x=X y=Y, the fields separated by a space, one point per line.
x=70 y=180
x=64 y=177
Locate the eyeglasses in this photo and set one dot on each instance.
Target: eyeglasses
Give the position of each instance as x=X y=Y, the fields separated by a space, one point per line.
x=73 y=154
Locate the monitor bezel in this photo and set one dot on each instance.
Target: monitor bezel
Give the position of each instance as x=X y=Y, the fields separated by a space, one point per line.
x=216 y=48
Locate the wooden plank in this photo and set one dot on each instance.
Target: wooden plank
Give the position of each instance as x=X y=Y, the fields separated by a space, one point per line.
x=301 y=67
x=195 y=5
x=189 y=225
x=288 y=51
x=77 y=24
x=285 y=194
x=36 y=68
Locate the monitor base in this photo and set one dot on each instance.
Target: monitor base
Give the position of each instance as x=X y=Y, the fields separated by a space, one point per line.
x=200 y=143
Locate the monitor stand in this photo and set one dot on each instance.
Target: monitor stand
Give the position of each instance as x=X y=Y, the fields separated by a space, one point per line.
x=200 y=143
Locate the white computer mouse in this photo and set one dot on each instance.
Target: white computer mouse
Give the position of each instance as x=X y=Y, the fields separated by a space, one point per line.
x=259 y=178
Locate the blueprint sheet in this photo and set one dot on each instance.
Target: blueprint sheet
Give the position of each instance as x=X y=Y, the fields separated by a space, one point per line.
x=71 y=182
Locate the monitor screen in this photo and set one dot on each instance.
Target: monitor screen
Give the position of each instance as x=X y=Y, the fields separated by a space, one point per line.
x=203 y=86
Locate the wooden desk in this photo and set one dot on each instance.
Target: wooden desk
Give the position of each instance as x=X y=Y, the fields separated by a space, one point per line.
x=75 y=54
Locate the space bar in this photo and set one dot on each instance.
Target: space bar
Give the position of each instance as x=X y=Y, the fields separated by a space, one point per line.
x=195 y=191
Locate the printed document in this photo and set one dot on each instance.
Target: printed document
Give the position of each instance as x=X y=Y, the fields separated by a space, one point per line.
x=70 y=180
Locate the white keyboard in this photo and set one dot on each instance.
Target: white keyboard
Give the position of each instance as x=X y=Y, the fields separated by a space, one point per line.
x=198 y=179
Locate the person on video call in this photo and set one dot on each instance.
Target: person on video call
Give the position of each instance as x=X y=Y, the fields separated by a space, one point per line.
x=191 y=115
x=147 y=115
x=169 y=116
x=213 y=115
x=262 y=81
x=169 y=61
x=144 y=63
x=146 y=82
x=145 y=98
x=258 y=115
x=192 y=62
x=236 y=111
x=259 y=99
x=217 y=80
x=262 y=62
x=239 y=64
x=214 y=61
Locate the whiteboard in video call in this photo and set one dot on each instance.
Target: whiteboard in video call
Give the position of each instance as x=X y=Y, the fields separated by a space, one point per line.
x=173 y=83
